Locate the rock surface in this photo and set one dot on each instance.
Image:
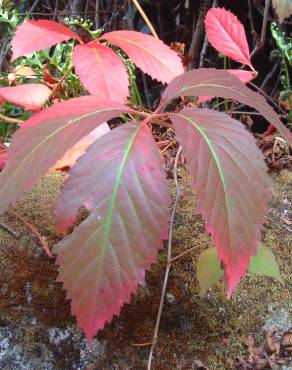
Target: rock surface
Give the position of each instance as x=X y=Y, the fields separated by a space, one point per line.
x=37 y=331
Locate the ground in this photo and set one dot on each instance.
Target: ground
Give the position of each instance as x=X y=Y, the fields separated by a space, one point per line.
x=38 y=332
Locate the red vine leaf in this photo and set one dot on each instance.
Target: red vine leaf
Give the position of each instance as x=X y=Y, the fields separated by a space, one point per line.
x=72 y=154
x=28 y=96
x=37 y=35
x=152 y=56
x=45 y=138
x=215 y=82
x=231 y=183
x=105 y=258
x=101 y=71
x=226 y=34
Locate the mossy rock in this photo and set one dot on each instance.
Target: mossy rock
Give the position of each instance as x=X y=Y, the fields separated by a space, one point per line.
x=35 y=319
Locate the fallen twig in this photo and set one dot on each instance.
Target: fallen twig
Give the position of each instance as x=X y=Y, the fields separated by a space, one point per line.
x=7 y=228
x=32 y=228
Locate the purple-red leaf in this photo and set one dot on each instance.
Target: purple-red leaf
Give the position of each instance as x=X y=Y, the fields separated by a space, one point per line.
x=37 y=35
x=105 y=258
x=244 y=76
x=215 y=82
x=226 y=34
x=28 y=96
x=231 y=183
x=101 y=71
x=45 y=138
x=152 y=56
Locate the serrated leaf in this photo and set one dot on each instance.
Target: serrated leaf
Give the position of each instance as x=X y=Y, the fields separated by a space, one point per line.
x=264 y=263
x=215 y=82
x=28 y=96
x=35 y=35
x=231 y=183
x=208 y=269
x=72 y=154
x=45 y=138
x=226 y=34
x=283 y=8
x=152 y=56
x=104 y=259
x=101 y=71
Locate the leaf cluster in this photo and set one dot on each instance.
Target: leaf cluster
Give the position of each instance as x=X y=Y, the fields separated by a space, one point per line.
x=119 y=176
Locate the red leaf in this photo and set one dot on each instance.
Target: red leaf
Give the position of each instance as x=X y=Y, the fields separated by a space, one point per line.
x=244 y=76
x=226 y=34
x=104 y=259
x=72 y=154
x=215 y=82
x=45 y=138
x=231 y=183
x=152 y=56
x=37 y=35
x=28 y=96
x=101 y=71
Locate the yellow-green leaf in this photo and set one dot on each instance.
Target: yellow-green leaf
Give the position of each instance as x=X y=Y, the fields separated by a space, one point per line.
x=208 y=269
x=264 y=263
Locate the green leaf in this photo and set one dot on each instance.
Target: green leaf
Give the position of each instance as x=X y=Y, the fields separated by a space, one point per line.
x=208 y=269
x=264 y=263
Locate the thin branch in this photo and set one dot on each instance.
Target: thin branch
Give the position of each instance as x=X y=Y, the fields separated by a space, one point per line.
x=7 y=228
x=186 y=252
x=56 y=10
x=250 y=16
x=97 y=14
x=264 y=29
x=147 y=94
x=249 y=113
x=60 y=81
x=266 y=96
x=206 y=42
x=197 y=35
x=33 y=229
x=168 y=265
x=270 y=74
x=34 y=5
x=10 y=120
x=146 y=19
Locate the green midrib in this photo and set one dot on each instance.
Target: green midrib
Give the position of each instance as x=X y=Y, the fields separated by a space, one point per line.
x=211 y=147
x=111 y=207
x=54 y=133
x=216 y=159
x=109 y=217
x=186 y=88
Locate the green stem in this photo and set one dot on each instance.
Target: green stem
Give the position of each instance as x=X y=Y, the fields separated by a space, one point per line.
x=288 y=84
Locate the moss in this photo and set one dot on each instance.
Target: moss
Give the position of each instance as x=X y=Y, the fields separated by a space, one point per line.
x=211 y=329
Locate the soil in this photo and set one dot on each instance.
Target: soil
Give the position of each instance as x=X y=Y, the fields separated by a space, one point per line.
x=38 y=332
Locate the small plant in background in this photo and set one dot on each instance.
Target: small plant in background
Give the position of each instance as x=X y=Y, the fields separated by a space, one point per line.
x=284 y=51
x=120 y=178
